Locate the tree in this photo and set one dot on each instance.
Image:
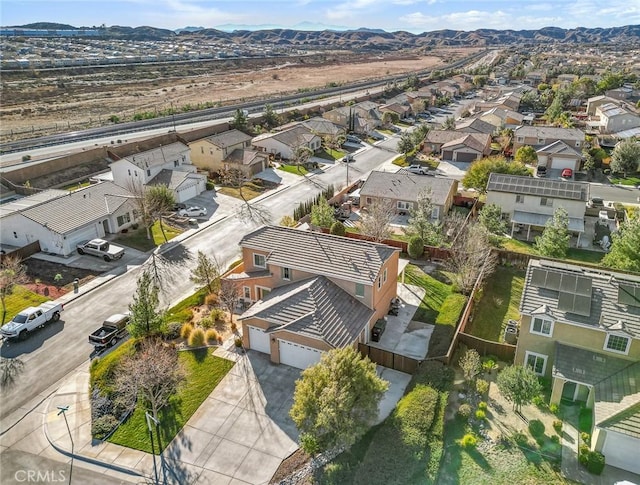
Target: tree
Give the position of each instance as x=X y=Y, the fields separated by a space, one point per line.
x=229 y=295
x=376 y=221
x=146 y=317
x=589 y=162
x=554 y=242
x=625 y=246
x=527 y=155
x=322 y=213
x=477 y=176
x=420 y=220
x=301 y=156
x=389 y=118
x=405 y=144
x=240 y=120
x=153 y=373
x=270 y=117
x=470 y=252
x=625 y=157
x=10 y=369
x=288 y=221
x=449 y=123
x=160 y=199
x=418 y=134
x=207 y=272
x=491 y=218
x=338 y=229
x=470 y=365
x=519 y=385
x=235 y=178
x=336 y=400
x=12 y=273
x=415 y=247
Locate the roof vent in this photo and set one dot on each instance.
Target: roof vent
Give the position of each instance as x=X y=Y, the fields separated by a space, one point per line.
x=579 y=371
x=599 y=358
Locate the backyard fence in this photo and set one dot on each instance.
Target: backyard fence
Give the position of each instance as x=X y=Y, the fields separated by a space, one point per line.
x=503 y=351
x=23 y=252
x=389 y=359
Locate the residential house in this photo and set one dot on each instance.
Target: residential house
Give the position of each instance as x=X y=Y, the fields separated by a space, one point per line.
x=324 y=128
x=208 y=153
x=313 y=291
x=558 y=155
x=475 y=125
x=286 y=143
x=621 y=93
x=614 y=118
x=360 y=118
x=467 y=147
x=535 y=77
x=530 y=202
x=400 y=110
x=541 y=136
x=59 y=219
x=580 y=327
x=403 y=188
x=502 y=118
x=168 y=165
x=595 y=101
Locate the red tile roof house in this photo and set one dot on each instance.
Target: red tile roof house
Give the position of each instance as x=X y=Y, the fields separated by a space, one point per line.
x=311 y=292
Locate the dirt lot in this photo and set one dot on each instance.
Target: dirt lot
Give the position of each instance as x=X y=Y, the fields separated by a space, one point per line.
x=42 y=277
x=87 y=97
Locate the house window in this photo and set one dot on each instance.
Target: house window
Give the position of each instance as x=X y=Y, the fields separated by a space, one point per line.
x=259 y=260
x=541 y=326
x=129 y=170
x=286 y=273
x=246 y=292
x=202 y=150
x=435 y=213
x=368 y=200
x=578 y=143
x=384 y=276
x=404 y=206
x=379 y=282
x=617 y=343
x=15 y=234
x=176 y=163
x=520 y=139
x=546 y=202
x=359 y=290
x=540 y=141
x=148 y=173
x=123 y=219
x=519 y=199
x=537 y=362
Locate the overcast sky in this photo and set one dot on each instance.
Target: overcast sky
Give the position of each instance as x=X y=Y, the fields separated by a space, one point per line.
x=411 y=15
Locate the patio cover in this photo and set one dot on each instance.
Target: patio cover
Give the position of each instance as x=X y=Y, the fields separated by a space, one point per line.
x=531 y=219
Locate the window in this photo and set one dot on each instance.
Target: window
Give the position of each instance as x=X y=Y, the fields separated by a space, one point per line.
x=368 y=200
x=384 y=276
x=15 y=234
x=541 y=326
x=123 y=219
x=259 y=260
x=404 y=206
x=435 y=213
x=148 y=173
x=176 y=163
x=540 y=141
x=202 y=150
x=519 y=199
x=379 y=282
x=129 y=170
x=246 y=292
x=520 y=139
x=286 y=273
x=537 y=362
x=617 y=343
x=359 y=290
x=546 y=202
x=578 y=143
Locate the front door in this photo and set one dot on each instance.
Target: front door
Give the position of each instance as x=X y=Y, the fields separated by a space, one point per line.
x=105 y=226
x=569 y=391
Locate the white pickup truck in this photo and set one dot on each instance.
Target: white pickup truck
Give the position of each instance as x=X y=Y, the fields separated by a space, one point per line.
x=31 y=318
x=100 y=248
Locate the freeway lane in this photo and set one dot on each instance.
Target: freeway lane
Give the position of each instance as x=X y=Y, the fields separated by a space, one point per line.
x=52 y=353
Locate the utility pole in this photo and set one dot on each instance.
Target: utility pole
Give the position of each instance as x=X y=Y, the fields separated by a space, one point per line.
x=63 y=410
x=153 y=451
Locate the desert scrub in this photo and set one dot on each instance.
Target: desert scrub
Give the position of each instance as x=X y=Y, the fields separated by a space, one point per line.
x=197 y=337
x=186 y=330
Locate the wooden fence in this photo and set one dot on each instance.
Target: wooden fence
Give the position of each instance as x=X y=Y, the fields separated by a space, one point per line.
x=389 y=359
x=505 y=352
x=23 y=252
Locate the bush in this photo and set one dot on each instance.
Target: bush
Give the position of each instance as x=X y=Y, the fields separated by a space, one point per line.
x=585 y=438
x=482 y=386
x=489 y=365
x=211 y=299
x=238 y=342
x=481 y=415
x=555 y=439
x=539 y=401
x=536 y=428
x=482 y=405
x=583 y=454
x=102 y=426
x=464 y=411
x=595 y=462
x=218 y=315
x=212 y=336
x=171 y=330
x=234 y=327
x=469 y=440
x=415 y=247
x=338 y=229
x=434 y=374
x=186 y=330
x=557 y=425
x=415 y=413
x=554 y=408
x=520 y=438
x=211 y=185
x=196 y=339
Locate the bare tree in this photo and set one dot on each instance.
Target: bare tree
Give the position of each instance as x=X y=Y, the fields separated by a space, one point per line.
x=160 y=199
x=471 y=365
x=9 y=371
x=301 y=155
x=153 y=373
x=236 y=179
x=207 y=272
x=141 y=205
x=12 y=273
x=229 y=295
x=470 y=252
x=376 y=221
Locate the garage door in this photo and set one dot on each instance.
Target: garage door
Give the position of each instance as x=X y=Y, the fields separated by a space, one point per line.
x=297 y=355
x=560 y=163
x=188 y=193
x=621 y=451
x=84 y=234
x=465 y=157
x=447 y=155
x=259 y=340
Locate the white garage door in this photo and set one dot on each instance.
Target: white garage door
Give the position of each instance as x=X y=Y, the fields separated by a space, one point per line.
x=297 y=355
x=259 y=340
x=560 y=163
x=188 y=193
x=621 y=451
x=84 y=234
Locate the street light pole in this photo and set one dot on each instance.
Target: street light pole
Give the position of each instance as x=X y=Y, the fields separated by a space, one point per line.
x=63 y=410
x=153 y=451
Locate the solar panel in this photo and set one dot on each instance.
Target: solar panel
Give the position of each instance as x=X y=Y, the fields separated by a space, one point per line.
x=568 y=283
x=584 y=286
x=629 y=295
x=565 y=302
x=582 y=305
x=538 y=277
x=553 y=281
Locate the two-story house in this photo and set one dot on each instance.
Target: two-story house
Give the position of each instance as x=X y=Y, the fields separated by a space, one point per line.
x=540 y=136
x=580 y=327
x=558 y=155
x=614 y=118
x=530 y=202
x=286 y=143
x=359 y=118
x=312 y=291
x=168 y=165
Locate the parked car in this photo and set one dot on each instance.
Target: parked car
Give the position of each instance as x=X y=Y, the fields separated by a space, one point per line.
x=113 y=329
x=30 y=319
x=418 y=169
x=100 y=248
x=353 y=139
x=193 y=211
x=595 y=202
x=541 y=171
x=348 y=158
x=567 y=173
x=179 y=206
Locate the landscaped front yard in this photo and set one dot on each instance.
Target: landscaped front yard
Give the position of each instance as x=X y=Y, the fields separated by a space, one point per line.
x=294 y=169
x=20 y=299
x=137 y=238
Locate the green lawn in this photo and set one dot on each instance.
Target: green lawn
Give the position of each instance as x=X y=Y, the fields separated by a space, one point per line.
x=500 y=300
x=20 y=299
x=204 y=371
x=629 y=180
x=182 y=311
x=294 y=169
x=329 y=154
x=250 y=190
x=574 y=255
x=137 y=238
x=76 y=186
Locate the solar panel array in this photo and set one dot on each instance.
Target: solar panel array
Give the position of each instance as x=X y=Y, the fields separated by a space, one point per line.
x=534 y=186
x=574 y=291
x=629 y=294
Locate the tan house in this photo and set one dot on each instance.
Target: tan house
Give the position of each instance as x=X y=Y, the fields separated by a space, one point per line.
x=403 y=189
x=502 y=118
x=558 y=155
x=580 y=327
x=286 y=143
x=467 y=147
x=540 y=136
x=312 y=291
x=614 y=118
x=359 y=118
x=208 y=153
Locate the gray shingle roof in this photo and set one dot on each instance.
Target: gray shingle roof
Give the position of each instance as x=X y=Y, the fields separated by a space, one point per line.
x=441 y=136
x=476 y=141
x=79 y=208
x=586 y=366
x=318 y=253
x=315 y=307
x=556 y=189
x=30 y=201
x=604 y=312
x=229 y=138
x=549 y=132
x=158 y=156
x=617 y=401
x=245 y=157
x=559 y=147
x=171 y=178
x=475 y=124
x=403 y=185
x=294 y=137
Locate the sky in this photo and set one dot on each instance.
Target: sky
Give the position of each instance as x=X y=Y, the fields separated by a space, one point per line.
x=411 y=15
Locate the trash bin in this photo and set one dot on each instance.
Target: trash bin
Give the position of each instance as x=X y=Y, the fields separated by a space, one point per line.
x=378 y=329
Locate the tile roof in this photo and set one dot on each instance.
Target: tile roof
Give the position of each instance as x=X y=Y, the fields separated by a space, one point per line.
x=585 y=366
x=245 y=157
x=617 y=401
x=549 y=132
x=475 y=124
x=521 y=184
x=315 y=307
x=403 y=185
x=476 y=141
x=322 y=126
x=293 y=137
x=559 y=147
x=30 y=201
x=318 y=253
x=605 y=312
x=158 y=156
x=229 y=138
x=441 y=136
x=79 y=208
x=171 y=178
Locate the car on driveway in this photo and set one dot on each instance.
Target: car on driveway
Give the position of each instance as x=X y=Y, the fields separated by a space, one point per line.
x=418 y=169
x=595 y=202
x=193 y=211
x=567 y=173
x=101 y=248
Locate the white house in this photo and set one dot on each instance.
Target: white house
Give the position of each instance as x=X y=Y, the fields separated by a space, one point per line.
x=287 y=142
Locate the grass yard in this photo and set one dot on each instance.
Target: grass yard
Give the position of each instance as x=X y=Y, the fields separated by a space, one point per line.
x=294 y=169
x=203 y=373
x=182 y=311
x=76 y=186
x=574 y=255
x=20 y=299
x=137 y=238
x=500 y=300
x=629 y=180
x=250 y=190
x=330 y=154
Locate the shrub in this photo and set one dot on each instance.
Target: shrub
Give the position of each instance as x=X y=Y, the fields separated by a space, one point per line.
x=536 y=428
x=211 y=185
x=212 y=336
x=469 y=440
x=555 y=439
x=186 y=330
x=338 y=229
x=481 y=415
x=238 y=342
x=595 y=462
x=583 y=454
x=464 y=411
x=482 y=386
x=520 y=438
x=415 y=412
x=196 y=339
x=585 y=438
x=102 y=426
x=211 y=299
x=489 y=365
x=415 y=247
x=171 y=330
x=482 y=405
x=218 y=314
x=554 y=408
x=557 y=425
x=234 y=327
x=434 y=374
x=538 y=401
